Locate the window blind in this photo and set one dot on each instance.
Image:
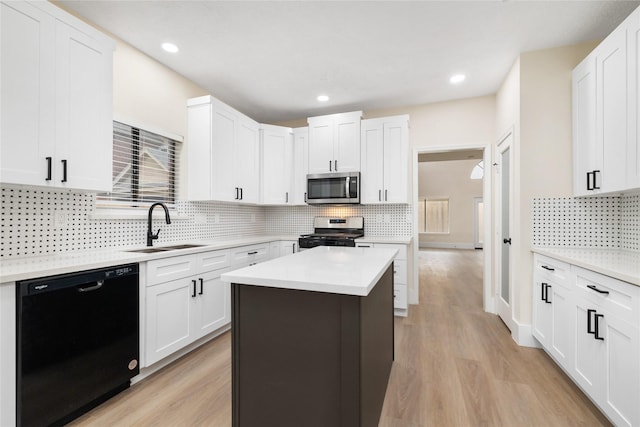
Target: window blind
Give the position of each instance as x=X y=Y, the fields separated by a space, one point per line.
x=145 y=169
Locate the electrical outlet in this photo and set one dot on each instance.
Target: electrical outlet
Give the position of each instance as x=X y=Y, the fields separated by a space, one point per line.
x=59 y=219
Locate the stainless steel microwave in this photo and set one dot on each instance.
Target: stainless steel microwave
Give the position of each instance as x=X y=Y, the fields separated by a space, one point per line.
x=333 y=188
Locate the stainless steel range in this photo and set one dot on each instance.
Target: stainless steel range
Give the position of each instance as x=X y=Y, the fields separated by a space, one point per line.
x=330 y=231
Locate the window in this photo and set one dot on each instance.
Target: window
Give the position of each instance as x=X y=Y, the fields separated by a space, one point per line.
x=433 y=216
x=144 y=168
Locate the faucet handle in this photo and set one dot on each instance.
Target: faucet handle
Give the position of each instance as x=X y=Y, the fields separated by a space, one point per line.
x=155 y=236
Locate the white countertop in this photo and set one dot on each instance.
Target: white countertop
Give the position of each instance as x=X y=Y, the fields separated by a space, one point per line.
x=14 y=269
x=617 y=263
x=338 y=270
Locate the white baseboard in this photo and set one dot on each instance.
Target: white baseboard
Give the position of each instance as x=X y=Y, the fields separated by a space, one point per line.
x=523 y=336
x=436 y=245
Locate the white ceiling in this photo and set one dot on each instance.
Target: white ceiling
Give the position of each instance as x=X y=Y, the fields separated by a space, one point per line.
x=271 y=59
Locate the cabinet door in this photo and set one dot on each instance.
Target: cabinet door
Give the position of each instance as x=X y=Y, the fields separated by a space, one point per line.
x=588 y=370
x=622 y=368
x=321 y=146
x=300 y=165
x=395 y=165
x=28 y=91
x=346 y=144
x=372 y=159
x=633 y=75
x=199 y=146
x=563 y=328
x=611 y=111
x=169 y=317
x=223 y=131
x=542 y=312
x=84 y=111
x=288 y=247
x=247 y=160
x=585 y=158
x=276 y=166
x=212 y=304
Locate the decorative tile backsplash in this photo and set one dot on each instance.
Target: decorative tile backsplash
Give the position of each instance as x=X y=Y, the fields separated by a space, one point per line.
x=600 y=222
x=40 y=222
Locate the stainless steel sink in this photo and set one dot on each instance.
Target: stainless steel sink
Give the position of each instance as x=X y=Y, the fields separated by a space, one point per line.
x=164 y=248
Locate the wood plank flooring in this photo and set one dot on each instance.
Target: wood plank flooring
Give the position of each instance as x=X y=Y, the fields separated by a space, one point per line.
x=455 y=366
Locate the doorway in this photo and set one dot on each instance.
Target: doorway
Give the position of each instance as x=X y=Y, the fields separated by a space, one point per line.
x=460 y=153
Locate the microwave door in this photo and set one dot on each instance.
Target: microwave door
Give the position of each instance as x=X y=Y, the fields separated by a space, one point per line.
x=327 y=188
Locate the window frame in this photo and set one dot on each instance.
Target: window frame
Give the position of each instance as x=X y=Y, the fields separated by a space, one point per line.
x=423 y=201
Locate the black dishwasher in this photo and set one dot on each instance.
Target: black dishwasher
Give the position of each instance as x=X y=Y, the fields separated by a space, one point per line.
x=77 y=342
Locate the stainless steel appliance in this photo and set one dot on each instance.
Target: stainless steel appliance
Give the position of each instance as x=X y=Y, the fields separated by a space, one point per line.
x=77 y=342
x=333 y=232
x=333 y=188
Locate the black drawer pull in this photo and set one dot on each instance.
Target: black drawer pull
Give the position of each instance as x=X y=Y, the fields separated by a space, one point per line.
x=548 y=268
x=48 y=178
x=600 y=291
x=193 y=295
x=545 y=292
x=252 y=253
x=64 y=170
x=201 y=286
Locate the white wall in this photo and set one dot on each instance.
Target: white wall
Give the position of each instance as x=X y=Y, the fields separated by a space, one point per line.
x=450 y=179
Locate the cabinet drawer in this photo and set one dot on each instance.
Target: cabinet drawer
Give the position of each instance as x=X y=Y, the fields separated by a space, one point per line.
x=245 y=255
x=210 y=261
x=400 y=271
x=400 y=296
x=551 y=269
x=402 y=249
x=611 y=295
x=166 y=269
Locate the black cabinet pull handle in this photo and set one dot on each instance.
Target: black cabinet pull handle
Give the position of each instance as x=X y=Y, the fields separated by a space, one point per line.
x=201 y=286
x=595 y=186
x=546 y=293
x=293 y=248
x=286 y=197
x=589 y=313
x=335 y=165
x=600 y=291
x=589 y=186
x=252 y=253
x=64 y=170
x=379 y=195
x=546 y=267
x=241 y=196
x=48 y=178
x=596 y=333
x=193 y=295
x=237 y=194
x=305 y=197
x=330 y=166
x=543 y=287
x=385 y=195
x=507 y=240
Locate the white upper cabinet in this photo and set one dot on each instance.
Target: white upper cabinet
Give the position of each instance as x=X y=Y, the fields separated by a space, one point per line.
x=385 y=160
x=223 y=152
x=277 y=164
x=300 y=165
x=633 y=124
x=605 y=114
x=334 y=143
x=57 y=91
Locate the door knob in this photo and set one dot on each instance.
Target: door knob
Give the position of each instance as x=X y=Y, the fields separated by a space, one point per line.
x=507 y=240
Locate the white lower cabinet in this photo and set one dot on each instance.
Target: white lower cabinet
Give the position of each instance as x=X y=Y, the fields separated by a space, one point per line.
x=400 y=274
x=288 y=247
x=591 y=329
x=181 y=310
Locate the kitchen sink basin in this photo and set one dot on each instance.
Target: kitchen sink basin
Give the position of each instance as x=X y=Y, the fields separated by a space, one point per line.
x=164 y=248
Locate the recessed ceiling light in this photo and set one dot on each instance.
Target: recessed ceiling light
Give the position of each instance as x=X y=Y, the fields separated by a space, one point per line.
x=170 y=47
x=458 y=78
x=323 y=98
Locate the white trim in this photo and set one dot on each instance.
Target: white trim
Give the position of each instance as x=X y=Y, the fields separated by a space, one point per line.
x=137 y=124
x=477 y=244
x=444 y=245
x=523 y=336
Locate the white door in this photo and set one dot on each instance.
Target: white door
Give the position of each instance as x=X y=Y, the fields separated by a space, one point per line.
x=300 y=165
x=633 y=75
x=321 y=146
x=276 y=172
x=199 y=151
x=223 y=134
x=504 y=221
x=585 y=154
x=247 y=160
x=213 y=303
x=372 y=180
x=346 y=146
x=396 y=135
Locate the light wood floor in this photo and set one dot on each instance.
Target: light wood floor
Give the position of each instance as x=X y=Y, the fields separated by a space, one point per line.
x=455 y=366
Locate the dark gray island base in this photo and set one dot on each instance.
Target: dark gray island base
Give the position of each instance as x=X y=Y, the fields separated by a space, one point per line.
x=306 y=358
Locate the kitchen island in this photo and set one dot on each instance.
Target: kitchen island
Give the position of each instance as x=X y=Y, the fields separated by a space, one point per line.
x=312 y=338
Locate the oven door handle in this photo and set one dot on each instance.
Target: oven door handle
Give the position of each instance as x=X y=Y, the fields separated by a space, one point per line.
x=95 y=287
x=346 y=187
